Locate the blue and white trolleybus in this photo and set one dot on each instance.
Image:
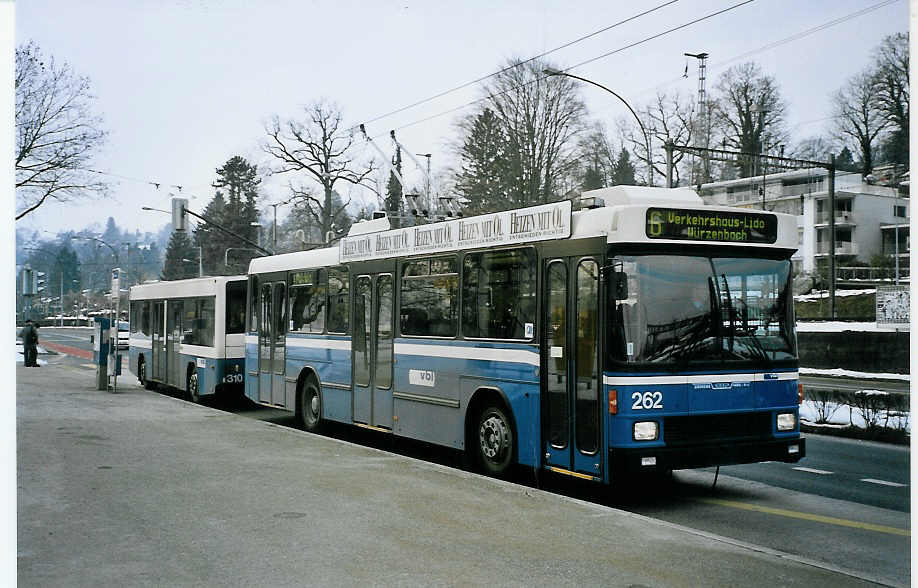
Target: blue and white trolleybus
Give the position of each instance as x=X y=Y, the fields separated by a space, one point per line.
x=189 y=334
x=645 y=331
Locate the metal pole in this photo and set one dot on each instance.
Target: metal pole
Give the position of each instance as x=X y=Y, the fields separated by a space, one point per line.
x=275 y=226
x=764 y=168
x=200 y=262
x=896 y=218
x=669 y=164
x=62 y=298
x=832 y=236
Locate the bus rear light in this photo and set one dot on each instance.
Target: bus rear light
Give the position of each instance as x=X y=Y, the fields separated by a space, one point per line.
x=799 y=393
x=613 y=401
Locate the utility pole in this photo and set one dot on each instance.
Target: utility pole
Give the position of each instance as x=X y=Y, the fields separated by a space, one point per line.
x=702 y=114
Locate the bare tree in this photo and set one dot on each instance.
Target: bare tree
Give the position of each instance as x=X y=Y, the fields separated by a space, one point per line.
x=319 y=148
x=666 y=118
x=858 y=117
x=542 y=117
x=57 y=132
x=749 y=113
x=892 y=92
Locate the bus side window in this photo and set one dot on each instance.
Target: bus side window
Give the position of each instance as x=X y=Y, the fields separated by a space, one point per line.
x=499 y=294
x=337 y=321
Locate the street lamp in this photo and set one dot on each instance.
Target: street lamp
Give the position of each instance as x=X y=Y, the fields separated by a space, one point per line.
x=98 y=240
x=761 y=111
x=274 y=206
x=554 y=72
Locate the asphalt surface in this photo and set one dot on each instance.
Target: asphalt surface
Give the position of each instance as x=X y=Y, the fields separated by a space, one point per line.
x=139 y=488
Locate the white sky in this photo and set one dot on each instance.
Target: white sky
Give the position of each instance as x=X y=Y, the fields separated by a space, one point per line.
x=185 y=85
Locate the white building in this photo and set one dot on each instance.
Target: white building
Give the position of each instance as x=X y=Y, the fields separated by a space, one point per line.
x=866 y=215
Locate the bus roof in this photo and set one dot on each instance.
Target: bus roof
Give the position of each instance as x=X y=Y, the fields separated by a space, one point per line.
x=313 y=258
x=626 y=214
x=205 y=286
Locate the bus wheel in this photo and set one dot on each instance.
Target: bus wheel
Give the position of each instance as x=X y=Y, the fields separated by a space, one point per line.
x=311 y=406
x=495 y=441
x=192 y=386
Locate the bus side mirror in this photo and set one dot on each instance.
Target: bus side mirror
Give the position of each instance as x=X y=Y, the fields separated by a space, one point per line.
x=620 y=285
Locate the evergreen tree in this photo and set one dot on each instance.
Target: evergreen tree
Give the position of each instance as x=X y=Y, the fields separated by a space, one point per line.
x=845 y=161
x=212 y=241
x=65 y=272
x=179 y=248
x=484 y=181
x=234 y=207
x=623 y=171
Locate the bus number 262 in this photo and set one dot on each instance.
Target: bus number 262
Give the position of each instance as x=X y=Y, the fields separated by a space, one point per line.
x=647 y=400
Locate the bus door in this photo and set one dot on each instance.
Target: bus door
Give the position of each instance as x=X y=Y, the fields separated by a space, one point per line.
x=175 y=375
x=272 y=335
x=372 y=350
x=158 y=328
x=571 y=388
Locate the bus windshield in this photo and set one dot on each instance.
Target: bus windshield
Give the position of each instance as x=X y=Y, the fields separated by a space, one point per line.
x=691 y=310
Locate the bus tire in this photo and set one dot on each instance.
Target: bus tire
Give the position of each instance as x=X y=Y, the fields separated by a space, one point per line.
x=194 y=392
x=494 y=441
x=310 y=408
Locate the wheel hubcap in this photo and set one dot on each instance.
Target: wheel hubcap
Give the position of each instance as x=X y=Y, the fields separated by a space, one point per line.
x=314 y=406
x=493 y=437
x=193 y=387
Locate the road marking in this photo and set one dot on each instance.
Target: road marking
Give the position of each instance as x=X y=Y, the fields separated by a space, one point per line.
x=812 y=471
x=808 y=516
x=89 y=365
x=884 y=483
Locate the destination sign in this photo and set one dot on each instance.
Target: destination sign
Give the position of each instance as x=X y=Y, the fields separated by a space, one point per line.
x=711 y=225
x=536 y=223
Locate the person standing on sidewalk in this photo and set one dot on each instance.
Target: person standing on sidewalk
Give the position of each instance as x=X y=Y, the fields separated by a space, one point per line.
x=29 y=336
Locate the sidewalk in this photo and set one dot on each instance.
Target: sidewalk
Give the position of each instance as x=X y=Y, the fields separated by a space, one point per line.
x=137 y=488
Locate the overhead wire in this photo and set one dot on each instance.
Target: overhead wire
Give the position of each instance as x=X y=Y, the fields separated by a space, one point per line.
x=509 y=67
x=604 y=55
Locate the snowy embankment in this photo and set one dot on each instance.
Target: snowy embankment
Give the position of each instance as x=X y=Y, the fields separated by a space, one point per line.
x=862 y=409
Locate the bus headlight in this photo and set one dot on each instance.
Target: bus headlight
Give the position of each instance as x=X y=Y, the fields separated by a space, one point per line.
x=786 y=421
x=646 y=431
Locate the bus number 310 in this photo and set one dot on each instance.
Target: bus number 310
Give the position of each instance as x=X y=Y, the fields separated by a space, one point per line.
x=647 y=400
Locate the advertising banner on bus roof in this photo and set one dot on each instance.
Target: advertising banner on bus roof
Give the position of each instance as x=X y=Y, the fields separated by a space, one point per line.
x=526 y=225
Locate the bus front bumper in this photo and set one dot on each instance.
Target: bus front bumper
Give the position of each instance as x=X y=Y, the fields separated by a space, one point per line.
x=707 y=455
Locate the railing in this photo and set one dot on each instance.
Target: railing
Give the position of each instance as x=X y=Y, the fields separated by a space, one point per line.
x=841 y=248
x=842 y=217
x=870 y=274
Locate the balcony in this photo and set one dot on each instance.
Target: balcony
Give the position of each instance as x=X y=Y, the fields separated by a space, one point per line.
x=842 y=217
x=841 y=248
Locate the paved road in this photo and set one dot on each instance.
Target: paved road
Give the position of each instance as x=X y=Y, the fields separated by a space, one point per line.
x=138 y=488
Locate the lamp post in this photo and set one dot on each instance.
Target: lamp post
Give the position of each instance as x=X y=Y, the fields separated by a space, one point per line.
x=761 y=111
x=274 y=206
x=554 y=72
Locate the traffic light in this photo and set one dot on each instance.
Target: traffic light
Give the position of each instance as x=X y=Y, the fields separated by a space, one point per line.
x=25 y=280
x=38 y=283
x=179 y=218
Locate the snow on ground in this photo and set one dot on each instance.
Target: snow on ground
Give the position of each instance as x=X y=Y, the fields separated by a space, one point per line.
x=843 y=373
x=843 y=415
x=839 y=327
x=820 y=294
x=20 y=354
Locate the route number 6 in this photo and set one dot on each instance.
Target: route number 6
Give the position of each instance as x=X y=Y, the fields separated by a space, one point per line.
x=647 y=400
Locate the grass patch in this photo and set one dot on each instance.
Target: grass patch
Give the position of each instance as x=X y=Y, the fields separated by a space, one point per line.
x=859 y=307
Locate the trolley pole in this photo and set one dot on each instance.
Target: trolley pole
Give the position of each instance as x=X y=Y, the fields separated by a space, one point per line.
x=832 y=236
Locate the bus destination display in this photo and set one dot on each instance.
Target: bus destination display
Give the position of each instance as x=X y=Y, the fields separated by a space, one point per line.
x=711 y=225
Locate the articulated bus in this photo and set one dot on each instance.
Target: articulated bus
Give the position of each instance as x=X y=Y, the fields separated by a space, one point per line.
x=189 y=334
x=645 y=331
